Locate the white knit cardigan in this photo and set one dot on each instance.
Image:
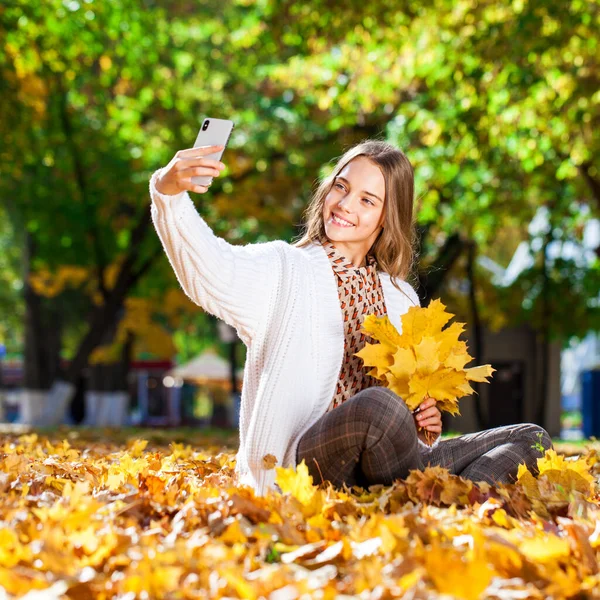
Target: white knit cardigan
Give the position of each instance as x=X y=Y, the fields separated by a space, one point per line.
x=283 y=301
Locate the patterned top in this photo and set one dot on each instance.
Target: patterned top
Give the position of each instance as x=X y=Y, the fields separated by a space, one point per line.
x=360 y=294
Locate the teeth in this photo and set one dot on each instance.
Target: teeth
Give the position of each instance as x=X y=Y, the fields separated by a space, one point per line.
x=341 y=221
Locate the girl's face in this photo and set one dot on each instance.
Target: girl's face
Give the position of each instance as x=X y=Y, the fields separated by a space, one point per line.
x=353 y=209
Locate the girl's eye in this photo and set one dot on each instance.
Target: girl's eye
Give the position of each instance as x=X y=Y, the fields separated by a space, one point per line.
x=339 y=186
x=369 y=201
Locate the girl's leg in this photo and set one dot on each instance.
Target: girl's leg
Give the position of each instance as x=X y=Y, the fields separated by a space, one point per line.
x=492 y=455
x=371 y=438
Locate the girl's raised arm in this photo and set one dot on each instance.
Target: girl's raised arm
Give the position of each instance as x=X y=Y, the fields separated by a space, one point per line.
x=234 y=283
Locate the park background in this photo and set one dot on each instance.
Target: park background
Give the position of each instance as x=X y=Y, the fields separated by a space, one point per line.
x=495 y=104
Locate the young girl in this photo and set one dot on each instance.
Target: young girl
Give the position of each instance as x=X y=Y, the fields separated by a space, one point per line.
x=299 y=309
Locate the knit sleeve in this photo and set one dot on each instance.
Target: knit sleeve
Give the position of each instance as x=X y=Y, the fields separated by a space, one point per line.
x=230 y=282
x=428 y=448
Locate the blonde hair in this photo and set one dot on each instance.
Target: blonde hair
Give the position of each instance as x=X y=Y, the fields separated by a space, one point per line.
x=394 y=247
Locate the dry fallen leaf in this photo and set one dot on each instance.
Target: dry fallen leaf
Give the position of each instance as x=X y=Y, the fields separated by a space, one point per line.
x=269 y=461
x=97 y=520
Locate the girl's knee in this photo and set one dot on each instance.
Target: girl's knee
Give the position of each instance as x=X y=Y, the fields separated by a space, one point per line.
x=537 y=435
x=382 y=403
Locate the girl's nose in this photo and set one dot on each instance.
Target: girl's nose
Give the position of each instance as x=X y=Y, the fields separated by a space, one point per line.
x=346 y=204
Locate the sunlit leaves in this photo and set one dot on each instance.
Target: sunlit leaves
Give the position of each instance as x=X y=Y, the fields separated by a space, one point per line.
x=99 y=520
x=558 y=480
x=140 y=322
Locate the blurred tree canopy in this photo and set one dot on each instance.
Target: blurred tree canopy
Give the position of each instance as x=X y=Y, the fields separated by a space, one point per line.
x=496 y=106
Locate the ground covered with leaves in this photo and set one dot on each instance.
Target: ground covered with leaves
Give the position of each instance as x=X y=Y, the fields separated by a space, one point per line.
x=84 y=518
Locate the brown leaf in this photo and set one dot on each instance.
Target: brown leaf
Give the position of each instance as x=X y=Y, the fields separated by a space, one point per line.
x=248 y=508
x=269 y=461
x=427 y=485
x=579 y=539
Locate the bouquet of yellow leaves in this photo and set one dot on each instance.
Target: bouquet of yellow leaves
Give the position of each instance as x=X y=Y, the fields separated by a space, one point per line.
x=425 y=360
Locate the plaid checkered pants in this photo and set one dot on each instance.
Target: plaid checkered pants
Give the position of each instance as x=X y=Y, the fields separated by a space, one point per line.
x=372 y=438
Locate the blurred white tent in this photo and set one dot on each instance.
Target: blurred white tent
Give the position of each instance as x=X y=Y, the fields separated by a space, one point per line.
x=206 y=368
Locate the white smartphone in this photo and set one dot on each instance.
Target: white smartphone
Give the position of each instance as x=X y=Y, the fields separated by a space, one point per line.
x=213 y=132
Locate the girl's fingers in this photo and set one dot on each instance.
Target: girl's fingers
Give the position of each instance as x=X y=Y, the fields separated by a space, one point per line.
x=192 y=171
x=187 y=185
x=428 y=403
x=199 y=161
x=430 y=412
x=199 y=151
x=433 y=429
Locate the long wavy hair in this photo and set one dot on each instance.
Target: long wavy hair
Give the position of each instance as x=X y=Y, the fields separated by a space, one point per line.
x=394 y=248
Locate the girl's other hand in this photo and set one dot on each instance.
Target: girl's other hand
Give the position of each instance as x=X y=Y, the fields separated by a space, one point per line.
x=177 y=175
x=429 y=418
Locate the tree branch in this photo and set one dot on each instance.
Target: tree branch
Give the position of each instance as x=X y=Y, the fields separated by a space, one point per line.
x=83 y=190
x=593 y=182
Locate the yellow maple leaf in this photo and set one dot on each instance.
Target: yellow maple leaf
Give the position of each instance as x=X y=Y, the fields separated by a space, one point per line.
x=405 y=364
x=418 y=322
x=378 y=356
x=458 y=574
x=137 y=447
x=544 y=548
x=449 y=342
x=398 y=386
x=557 y=480
x=426 y=354
x=551 y=461
x=382 y=329
x=441 y=385
x=11 y=549
x=237 y=582
x=425 y=360
x=466 y=389
x=479 y=373
x=414 y=323
x=569 y=474
x=457 y=357
x=299 y=483
x=527 y=480
x=233 y=534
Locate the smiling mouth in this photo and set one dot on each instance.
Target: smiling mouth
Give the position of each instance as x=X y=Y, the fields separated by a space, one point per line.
x=341 y=222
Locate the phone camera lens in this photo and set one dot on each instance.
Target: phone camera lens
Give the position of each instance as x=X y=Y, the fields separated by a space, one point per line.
x=205 y=126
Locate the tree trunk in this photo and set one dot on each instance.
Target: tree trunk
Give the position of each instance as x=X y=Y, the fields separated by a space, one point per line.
x=432 y=279
x=106 y=316
x=478 y=349
x=107 y=394
x=123 y=368
x=540 y=415
x=42 y=332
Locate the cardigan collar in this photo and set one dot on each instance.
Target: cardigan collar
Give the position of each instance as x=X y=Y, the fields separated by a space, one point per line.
x=397 y=303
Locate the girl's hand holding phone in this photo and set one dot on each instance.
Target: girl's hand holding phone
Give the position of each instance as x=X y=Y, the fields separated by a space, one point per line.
x=177 y=175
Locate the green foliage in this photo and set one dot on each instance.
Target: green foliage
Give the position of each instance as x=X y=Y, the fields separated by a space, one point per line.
x=495 y=105
x=11 y=302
